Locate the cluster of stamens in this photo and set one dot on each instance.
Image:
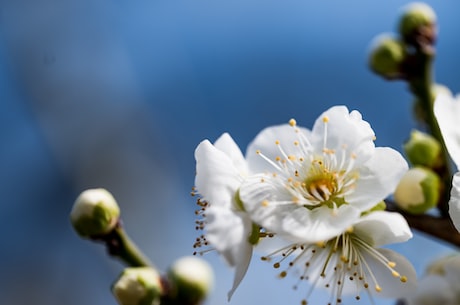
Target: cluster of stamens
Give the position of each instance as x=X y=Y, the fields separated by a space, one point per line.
x=200 y=241
x=314 y=179
x=332 y=263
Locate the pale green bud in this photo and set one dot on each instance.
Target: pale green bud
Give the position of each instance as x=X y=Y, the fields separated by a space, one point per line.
x=418 y=190
x=138 y=286
x=423 y=149
x=386 y=56
x=417 y=19
x=191 y=280
x=95 y=212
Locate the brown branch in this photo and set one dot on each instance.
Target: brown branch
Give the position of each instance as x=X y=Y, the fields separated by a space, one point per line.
x=438 y=227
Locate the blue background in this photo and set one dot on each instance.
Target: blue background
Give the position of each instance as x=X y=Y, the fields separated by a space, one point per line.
x=117 y=94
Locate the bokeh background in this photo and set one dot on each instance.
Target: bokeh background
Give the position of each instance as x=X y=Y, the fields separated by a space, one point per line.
x=117 y=94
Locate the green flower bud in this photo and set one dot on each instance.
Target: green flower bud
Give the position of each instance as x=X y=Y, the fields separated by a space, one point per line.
x=95 y=212
x=418 y=190
x=386 y=56
x=138 y=286
x=423 y=149
x=191 y=279
x=417 y=19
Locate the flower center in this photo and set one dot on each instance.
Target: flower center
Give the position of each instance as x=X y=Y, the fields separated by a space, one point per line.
x=320 y=184
x=333 y=263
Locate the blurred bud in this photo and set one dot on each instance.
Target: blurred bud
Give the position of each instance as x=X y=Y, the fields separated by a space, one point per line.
x=418 y=190
x=423 y=149
x=191 y=279
x=418 y=21
x=138 y=286
x=95 y=212
x=386 y=56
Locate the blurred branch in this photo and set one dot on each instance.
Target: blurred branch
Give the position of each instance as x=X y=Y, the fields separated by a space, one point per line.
x=439 y=227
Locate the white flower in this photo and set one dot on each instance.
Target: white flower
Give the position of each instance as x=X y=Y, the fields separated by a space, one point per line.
x=314 y=185
x=351 y=262
x=439 y=284
x=220 y=170
x=447 y=112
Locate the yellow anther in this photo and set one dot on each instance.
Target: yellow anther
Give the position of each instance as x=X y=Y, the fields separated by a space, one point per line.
x=296 y=143
x=278 y=158
x=283 y=274
x=378 y=288
x=292 y=122
x=321 y=244
x=403 y=279
x=391 y=264
x=265 y=203
x=374 y=138
x=291 y=157
x=395 y=273
x=325 y=119
x=277 y=142
x=350 y=230
x=258 y=152
x=353 y=156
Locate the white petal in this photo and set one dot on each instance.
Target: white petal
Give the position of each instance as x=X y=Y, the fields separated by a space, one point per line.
x=242 y=265
x=226 y=144
x=433 y=290
x=447 y=112
x=265 y=143
x=227 y=231
x=378 y=178
x=271 y=206
x=381 y=228
x=217 y=179
x=344 y=129
x=392 y=287
x=454 y=202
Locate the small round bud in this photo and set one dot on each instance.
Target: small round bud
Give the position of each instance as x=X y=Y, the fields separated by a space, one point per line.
x=138 y=286
x=423 y=149
x=418 y=190
x=95 y=212
x=417 y=19
x=386 y=56
x=191 y=279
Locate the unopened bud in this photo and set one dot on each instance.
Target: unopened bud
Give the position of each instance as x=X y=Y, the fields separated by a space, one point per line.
x=95 y=212
x=418 y=190
x=423 y=149
x=138 y=286
x=191 y=279
x=417 y=20
x=386 y=56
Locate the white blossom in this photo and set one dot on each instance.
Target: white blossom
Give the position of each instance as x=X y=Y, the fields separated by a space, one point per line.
x=352 y=262
x=447 y=112
x=220 y=170
x=312 y=186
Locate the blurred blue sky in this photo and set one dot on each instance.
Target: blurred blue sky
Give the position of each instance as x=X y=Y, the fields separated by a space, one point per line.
x=117 y=94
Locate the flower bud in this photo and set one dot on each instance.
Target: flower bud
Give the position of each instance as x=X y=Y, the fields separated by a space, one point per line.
x=95 y=212
x=386 y=56
x=138 y=286
x=191 y=279
x=423 y=149
x=417 y=20
x=418 y=190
